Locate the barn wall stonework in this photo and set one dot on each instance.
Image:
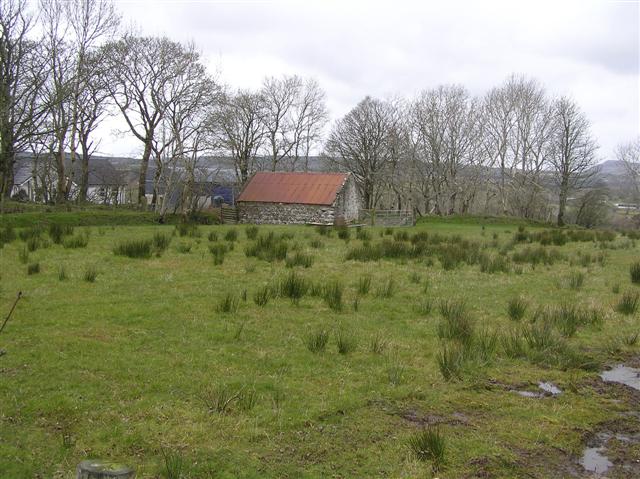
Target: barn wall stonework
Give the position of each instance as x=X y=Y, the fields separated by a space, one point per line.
x=280 y=213
x=348 y=202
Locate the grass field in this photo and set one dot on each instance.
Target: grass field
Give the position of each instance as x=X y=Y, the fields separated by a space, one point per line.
x=387 y=353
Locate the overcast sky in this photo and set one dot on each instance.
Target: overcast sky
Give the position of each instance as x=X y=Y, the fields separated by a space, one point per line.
x=588 y=50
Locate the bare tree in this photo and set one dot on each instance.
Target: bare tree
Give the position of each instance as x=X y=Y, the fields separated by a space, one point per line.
x=280 y=96
x=90 y=22
x=362 y=144
x=573 y=156
x=239 y=127
x=310 y=116
x=58 y=88
x=139 y=72
x=447 y=134
x=21 y=78
x=629 y=155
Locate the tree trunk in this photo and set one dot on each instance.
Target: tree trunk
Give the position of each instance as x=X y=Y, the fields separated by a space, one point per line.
x=144 y=165
x=562 y=201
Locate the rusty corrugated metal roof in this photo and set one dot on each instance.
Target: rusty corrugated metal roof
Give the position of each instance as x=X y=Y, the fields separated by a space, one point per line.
x=305 y=188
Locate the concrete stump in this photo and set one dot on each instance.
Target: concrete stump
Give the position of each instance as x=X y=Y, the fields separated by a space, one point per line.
x=96 y=469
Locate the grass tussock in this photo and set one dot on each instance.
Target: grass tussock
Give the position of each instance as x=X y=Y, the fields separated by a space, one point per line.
x=332 y=295
x=294 y=287
x=90 y=274
x=228 y=304
x=268 y=247
x=387 y=289
x=33 y=268
x=301 y=259
x=160 y=241
x=317 y=341
x=76 y=241
x=516 y=308
x=262 y=296
x=251 y=232
x=364 y=285
x=429 y=444
x=58 y=231
x=346 y=341
x=628 y=303
x=634 y=272
x=134 y=248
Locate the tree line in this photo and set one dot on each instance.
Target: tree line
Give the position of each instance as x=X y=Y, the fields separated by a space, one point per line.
x=67 y=65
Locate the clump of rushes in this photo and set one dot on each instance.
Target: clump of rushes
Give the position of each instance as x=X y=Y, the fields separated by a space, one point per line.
x=62 y=273
x=634 y=271
x=516 y=308
x=58 y=231
x=332 y=295
x=262 y=296
x=231 y=235
x=429 y=445
x=133 y=248
x=251 y=232
x=456 y=321
x=294 y=286
x=378 y=343
x=33 y=268
x=218 y=250
x=364 y=285
x=628 y=303
x=161 y=242
x=228 y=304
x=90 y=274
x=576 y=279
x=213 y=236
x=346 y=342
x=76 y=241
x=299 y=259
x=387 y=289
x=316 y=341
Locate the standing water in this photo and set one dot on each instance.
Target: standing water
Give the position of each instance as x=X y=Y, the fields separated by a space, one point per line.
x=624 y=375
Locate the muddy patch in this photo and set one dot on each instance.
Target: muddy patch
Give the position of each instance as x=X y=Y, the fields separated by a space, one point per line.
x=613 y=450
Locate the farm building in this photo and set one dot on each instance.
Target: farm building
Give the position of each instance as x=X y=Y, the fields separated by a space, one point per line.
x=299 y=198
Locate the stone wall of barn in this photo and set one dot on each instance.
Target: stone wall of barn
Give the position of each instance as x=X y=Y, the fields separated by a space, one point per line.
x=281 y=213
x=348 y=202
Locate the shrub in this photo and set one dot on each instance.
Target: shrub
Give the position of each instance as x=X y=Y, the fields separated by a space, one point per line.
x=251 y=232
x=299 y=259
x=317 y=341
x=76 y=241
x=294 y=287
x=516 y=308
x=90 y=274
x=346 y=342
x=364 y=285
x=332 y=295
x=228 y=304
x=33 y=268
x=387 y=289
x=231 y=235
x=262 y=296
x=134 y=248
x=628 y=303
x=634 y=271
x=161 y=241
x=58 y=231
x=429 y=445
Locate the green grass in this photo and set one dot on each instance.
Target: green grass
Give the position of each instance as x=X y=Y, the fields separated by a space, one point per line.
x=160 y=363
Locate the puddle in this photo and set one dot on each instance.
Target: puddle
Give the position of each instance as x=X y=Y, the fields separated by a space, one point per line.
x=548 y=389
x=594 y=461
x=623 y=375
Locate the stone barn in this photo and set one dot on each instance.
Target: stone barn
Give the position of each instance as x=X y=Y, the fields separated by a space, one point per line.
x=299 y=198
